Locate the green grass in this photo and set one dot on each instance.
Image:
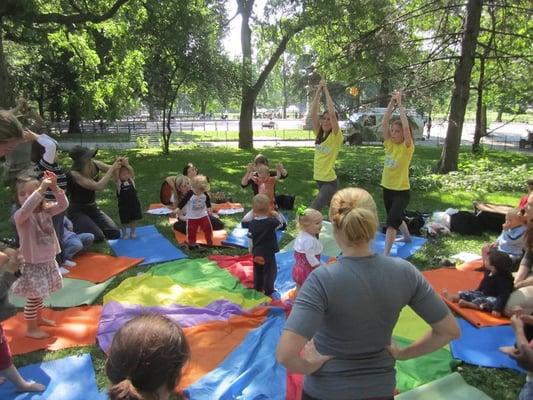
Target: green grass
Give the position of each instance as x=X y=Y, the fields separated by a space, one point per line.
x=357 y=166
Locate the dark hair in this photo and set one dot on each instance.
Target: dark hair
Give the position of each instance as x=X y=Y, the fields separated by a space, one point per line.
x=321 y=136
x=260 y=159
x=148 y=352
x=501 y=261
x=187 y=167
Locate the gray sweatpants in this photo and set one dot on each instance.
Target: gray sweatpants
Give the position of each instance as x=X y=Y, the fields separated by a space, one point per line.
x=326 y=190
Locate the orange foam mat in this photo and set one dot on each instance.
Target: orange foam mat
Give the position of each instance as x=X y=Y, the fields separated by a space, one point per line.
x=74 y=327
x=453 y=281
x=470 y=265
x=211 y=343
x=218 y=236
x=96 y=267
x=153 y=206
x=225 y=206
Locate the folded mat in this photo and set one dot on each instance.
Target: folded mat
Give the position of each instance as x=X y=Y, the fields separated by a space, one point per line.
x=96 y=267
x=75 y=292
x=114 y=315
x=399 y=249
x=470 y=265
x=452 y=280
x=74 y=327
x=239 y=237
x=251 y=370
x=202 y=273
x=149 y=244
x=210 y=343
x=480 y=346
x=227 y=208
x=148 y=290
x=69 y=378
x=450 y=387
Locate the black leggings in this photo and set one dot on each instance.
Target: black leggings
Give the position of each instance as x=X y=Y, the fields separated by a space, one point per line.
x=216 y=223
x=305 y=396
x=88 y=218
x=396 y=202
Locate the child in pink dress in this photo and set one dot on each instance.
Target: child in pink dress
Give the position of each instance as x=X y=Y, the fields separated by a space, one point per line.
x=39 y=245
x=307 y=248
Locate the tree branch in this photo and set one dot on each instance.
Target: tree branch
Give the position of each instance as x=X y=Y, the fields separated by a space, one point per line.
x=31 y=16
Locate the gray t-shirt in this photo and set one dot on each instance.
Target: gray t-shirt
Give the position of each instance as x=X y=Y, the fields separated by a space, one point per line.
x=350 y=309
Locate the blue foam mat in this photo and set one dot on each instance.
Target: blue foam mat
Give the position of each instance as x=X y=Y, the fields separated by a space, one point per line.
x=239 y=237
x=399 y=249
x=250 y=371
x=479 y=346
x=149 y=244
x=285 y=262
x=70 y=378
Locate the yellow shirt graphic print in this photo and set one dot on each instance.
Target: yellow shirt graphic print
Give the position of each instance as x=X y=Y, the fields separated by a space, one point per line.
x=396 y=165
x=325 y=156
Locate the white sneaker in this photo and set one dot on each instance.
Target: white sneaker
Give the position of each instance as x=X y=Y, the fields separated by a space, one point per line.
x=64 y=271
x=69 y=264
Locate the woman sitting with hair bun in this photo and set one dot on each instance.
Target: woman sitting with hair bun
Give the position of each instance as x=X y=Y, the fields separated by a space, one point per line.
x=146 y=358
x=339 y=331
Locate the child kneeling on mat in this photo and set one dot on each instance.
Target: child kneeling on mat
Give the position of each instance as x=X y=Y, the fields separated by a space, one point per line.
x=493 y=291
x=262 y=230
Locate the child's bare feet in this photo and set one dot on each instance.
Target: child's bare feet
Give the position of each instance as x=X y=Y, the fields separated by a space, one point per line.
x=405 y=239
x=30 y=386
x=36 y=333
x=467 y=304
x=510 y=350
x=46 y=322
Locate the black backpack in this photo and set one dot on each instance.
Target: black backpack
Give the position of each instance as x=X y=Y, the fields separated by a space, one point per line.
x=415 y=221
x=285 y=201
x=465 y=223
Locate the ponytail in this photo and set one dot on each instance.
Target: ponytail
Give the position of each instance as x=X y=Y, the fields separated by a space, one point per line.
x=124 y=390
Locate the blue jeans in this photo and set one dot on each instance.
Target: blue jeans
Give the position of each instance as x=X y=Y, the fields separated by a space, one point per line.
x=527 y=391
x=76 y=243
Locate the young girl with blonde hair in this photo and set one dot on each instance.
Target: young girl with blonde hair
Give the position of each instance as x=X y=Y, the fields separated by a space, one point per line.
x=307 y=248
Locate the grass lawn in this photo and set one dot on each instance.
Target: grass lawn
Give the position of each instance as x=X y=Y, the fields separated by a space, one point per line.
x=493 y=176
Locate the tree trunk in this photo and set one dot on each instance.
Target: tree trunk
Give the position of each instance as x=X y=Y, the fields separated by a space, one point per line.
x=246 y=141
x=246 y=132
x=203 y=107
x=74 y=115
x=7 y=96
x=285 y=90
x=478 y=133
x=499 y=116
x=384 y=92
x=450 y=151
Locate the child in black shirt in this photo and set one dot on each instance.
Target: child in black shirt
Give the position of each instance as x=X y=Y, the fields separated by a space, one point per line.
x=262 y=230
x=495 y=288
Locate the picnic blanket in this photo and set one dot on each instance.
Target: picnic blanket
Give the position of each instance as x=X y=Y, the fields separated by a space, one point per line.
x=114 y=315
x=399 y=249
x=75 y=292
x=449 y=387
x=149 y=244
x=479 y=346
x=74 y=327
x=96 y=267
x=410 y=326
x=219 y=237
x=69 y=378
x=239 y=237
x=251 y=370
x=454 y=280
x=227 y=208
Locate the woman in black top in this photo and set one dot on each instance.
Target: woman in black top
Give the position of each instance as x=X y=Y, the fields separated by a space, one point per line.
x=82 y=186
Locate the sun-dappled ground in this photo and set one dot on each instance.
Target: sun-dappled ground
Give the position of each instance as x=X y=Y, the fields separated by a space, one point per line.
x=492 y=176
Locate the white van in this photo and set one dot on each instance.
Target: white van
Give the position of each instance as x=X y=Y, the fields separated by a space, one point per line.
x=365 y=126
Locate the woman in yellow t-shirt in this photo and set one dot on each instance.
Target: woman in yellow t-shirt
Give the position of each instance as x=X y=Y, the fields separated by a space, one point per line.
x=399 y=149
x=328 y=143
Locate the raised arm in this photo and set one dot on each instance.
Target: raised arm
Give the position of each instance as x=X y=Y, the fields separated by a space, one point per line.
x=387 y=116
x=315 y=119
x=102 y=166
x=407 y=137
x=331 y=111
x=247 y=175
x=126 y=163
x=91 y=184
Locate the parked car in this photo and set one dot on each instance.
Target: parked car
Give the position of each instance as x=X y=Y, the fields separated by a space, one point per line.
x=366 y=126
